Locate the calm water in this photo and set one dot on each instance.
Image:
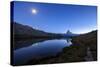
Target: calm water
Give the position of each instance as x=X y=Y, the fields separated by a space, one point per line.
x=27 y=50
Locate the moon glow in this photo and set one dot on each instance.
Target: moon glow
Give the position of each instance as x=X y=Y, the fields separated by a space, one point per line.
x=34 y=11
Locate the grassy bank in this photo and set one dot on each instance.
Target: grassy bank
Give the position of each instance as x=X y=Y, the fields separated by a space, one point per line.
x=88 y=40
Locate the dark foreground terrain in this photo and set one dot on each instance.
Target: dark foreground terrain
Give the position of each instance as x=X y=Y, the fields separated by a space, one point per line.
x=84 y=49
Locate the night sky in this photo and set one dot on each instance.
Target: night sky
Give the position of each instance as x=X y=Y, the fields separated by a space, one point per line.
x=56 y=18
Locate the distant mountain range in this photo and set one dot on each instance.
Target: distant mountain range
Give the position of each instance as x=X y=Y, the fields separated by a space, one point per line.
x=25 y=31
x=68 y=33
x=19 y=29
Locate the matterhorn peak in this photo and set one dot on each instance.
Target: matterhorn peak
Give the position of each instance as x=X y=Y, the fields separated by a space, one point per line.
x=68 y=32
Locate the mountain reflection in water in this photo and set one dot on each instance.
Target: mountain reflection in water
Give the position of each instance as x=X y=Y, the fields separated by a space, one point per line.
x=25 y=50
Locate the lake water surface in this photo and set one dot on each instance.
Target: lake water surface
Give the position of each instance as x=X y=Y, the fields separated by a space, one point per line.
x=27 y=50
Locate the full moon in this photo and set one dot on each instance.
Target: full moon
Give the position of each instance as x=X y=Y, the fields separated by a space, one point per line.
x=34 y=11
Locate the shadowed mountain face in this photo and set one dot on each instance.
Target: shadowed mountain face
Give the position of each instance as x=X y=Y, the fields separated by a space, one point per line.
x=69 y=33
x=19 y=29
x=24 y=31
